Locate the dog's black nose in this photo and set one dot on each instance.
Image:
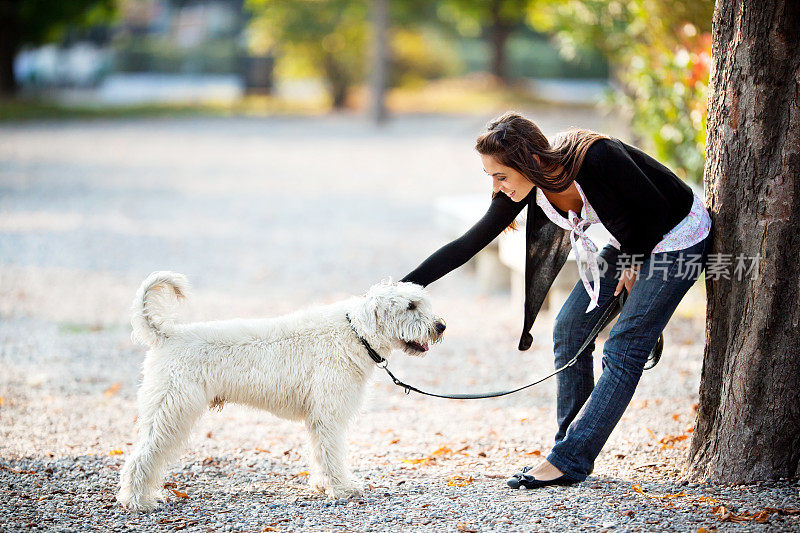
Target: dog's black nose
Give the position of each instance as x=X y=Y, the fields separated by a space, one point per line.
x=440 y=327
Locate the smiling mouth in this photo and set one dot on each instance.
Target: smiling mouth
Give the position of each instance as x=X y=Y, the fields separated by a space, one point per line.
x=419 y=347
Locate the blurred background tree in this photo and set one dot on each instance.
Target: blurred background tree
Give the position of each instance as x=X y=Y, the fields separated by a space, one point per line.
x=328 y=37
x=35 y=22
x=660 y=55
x=497 y=19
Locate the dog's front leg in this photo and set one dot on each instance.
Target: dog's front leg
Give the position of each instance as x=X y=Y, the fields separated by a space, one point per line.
x=329 y=471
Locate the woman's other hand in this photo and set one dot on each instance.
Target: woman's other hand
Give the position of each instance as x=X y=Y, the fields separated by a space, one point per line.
x=627 y=279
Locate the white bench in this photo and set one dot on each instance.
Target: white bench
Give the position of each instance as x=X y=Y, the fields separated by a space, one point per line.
x=455 y=215
x=501 y=265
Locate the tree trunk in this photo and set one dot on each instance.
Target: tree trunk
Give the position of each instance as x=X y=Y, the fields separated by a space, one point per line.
x=499 y=31
x=9 y=46
x=337 y=80
x=748 y=424
x=380 y=60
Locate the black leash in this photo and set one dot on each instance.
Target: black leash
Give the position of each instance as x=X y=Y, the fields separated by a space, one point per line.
x=613 y=306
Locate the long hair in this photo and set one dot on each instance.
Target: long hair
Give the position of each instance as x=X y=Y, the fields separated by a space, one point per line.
x=514 y=141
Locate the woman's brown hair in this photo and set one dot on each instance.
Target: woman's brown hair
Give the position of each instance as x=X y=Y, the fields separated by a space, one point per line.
x=514 y=141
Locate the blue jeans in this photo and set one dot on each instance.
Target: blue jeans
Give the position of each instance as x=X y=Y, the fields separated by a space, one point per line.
x=588 y=412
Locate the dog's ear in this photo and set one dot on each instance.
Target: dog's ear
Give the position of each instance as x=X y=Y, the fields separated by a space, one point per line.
x=367 y=315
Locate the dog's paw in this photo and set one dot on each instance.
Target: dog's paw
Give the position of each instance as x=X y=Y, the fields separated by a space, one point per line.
x=346 y=490
x=336 y=490
x=139 y=503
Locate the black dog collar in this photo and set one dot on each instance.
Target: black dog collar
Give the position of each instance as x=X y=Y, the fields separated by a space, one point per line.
x=370 y=350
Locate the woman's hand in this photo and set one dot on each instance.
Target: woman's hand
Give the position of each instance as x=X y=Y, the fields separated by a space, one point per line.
x=627 y=279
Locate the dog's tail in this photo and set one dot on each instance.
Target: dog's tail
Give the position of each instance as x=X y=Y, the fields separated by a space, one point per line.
x=153 y=310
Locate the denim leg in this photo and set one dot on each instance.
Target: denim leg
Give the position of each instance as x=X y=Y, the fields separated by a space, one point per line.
x=649 y=306
x=572 y=325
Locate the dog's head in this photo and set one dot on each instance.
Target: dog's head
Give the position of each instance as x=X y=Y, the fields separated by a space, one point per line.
x=400 y=315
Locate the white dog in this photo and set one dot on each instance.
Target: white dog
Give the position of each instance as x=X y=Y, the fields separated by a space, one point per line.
x=311 y=365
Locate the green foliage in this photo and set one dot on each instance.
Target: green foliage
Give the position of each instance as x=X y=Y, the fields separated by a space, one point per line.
x=470 y=17
x=660 y=53
x=667 y=102
x=41 y=21
x=419 y=56
x=329 y=36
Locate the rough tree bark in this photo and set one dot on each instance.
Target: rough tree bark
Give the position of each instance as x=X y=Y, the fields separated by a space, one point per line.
x=748 y=424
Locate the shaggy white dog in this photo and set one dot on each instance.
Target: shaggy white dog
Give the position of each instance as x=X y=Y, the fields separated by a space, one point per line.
x=310 y=365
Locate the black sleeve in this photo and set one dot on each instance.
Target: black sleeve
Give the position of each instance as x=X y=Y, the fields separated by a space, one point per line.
x=502 y=212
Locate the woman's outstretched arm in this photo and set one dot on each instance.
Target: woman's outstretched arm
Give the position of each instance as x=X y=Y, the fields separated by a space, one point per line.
x=502 y=211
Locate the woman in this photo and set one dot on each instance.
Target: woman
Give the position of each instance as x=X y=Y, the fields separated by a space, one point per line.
x=660 y=239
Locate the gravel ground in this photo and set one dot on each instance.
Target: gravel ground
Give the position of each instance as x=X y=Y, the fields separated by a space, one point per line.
x=264 y=217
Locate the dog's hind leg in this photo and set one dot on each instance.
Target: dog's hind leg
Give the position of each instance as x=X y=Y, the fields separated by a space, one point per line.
x=166 y=417
x=329 y=471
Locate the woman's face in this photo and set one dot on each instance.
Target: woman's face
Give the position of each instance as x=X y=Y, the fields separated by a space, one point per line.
x=506 y=180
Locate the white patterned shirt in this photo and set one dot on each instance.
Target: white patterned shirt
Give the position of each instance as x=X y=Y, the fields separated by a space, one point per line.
x=692 y=229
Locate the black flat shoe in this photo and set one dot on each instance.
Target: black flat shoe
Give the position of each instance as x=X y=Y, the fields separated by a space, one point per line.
x=521 y=480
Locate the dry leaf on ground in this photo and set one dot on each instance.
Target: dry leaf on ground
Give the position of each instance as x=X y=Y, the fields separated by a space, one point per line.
x=112 y=390
x=459 y=481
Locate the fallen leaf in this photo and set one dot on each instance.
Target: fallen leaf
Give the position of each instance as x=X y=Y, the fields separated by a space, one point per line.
x=262 y=450
x=676 y=417
x=179 y=494
x=729 y=516
x=651 y=433
x=9 y=469
x=782 y=510
x=115 y=452
x=444 y=450
x=466 y=527
x=394 y=441
x=1 y=400
x=270 y=528
x=169 y=485
x=303 y=473
x=459 y=481
x=638 y=488
x=423 y=461
x=112 y=390
x=534 y=452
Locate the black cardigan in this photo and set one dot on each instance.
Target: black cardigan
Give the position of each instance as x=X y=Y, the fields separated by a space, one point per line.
x=637 y=199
